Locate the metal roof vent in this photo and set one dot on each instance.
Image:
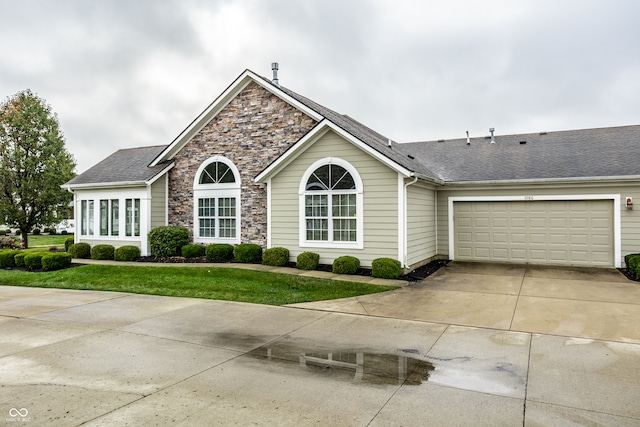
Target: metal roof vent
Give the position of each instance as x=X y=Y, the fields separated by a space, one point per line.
x=493 y=139
x=274 y=68
x=468 y=140
x=523 y=142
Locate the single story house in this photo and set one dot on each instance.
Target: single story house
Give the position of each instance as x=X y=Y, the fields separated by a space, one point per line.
x=263 y=164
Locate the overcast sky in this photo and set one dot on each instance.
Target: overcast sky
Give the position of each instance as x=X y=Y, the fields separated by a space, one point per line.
x=127 y=73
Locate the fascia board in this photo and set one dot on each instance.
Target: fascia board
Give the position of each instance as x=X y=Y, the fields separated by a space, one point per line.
x=533 y=181
x=104 y=185
x=160 y=174
x=219 y=103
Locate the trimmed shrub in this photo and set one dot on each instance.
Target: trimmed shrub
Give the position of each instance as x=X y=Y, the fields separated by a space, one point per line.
x=64 y=232
x=192 y=251
x=6 y=259
x=36 y=232
x=80 y=250
x=307 y=261
x=220 y=252
x=633 y=264
x=247 y=253
x=127 y=253
x=67 y=243
x=33 y=260
x=346 y=265
x=102 y=252
x=386 y=268
x=275 y=256
x=19 y=259
x=168 y=240
x=55 y=261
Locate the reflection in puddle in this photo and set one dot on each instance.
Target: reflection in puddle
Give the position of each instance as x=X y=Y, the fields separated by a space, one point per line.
x=403 y=367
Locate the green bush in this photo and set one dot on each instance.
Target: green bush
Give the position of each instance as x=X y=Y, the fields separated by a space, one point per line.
x=6 y=259
x=19 y=259
x=36 y=232
x=275 y=256
x=307 y=261
x=220 y=252
x=65 y=232
x=127 y=253
x=33 y=260
x=67 y=243
x=55 y=261
x=192 y=251
x=386 y=268
x=633 y=264
x=80 y=250
x=102 y=252
x=168 y=240
x=247 y=253
x=346 y=265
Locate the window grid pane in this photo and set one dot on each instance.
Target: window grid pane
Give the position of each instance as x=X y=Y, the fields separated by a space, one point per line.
x=207 y=207
x=227 y=228
x=207 y=227
x=344 y=230
x=317 y=229
x=316 y=205
x=227 y=207
x=344 y=205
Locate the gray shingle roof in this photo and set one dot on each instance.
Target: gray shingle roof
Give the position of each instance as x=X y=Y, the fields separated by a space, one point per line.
x=365 y=134
x=602 y=152
x=128 y=165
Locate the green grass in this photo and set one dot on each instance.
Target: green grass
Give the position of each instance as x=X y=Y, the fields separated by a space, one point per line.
x=212 y=283
x=47 y=240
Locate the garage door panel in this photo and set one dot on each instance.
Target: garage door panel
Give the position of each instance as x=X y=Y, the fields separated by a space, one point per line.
x=547 y=232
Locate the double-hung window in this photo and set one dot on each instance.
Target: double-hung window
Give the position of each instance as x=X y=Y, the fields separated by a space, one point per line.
x=331 y=204
x=86 y=217
x=217 y=202
x=109 y=217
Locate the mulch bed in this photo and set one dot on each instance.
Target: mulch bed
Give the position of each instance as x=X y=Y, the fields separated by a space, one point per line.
x=628 y=274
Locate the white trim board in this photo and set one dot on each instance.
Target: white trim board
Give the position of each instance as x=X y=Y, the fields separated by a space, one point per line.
x=617 y=238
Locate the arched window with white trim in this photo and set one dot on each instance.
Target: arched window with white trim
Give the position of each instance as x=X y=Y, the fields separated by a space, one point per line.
x=331 y=205
x=216 y=193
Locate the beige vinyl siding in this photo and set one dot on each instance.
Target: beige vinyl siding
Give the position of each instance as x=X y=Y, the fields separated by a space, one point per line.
x=421 y=224
x=380 y=198
x=159 y=202
x=629 y=219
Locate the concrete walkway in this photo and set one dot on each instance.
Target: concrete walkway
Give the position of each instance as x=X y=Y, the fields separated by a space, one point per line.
x=505 y=354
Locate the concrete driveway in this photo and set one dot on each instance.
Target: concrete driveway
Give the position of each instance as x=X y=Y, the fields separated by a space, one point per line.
x=472 y=345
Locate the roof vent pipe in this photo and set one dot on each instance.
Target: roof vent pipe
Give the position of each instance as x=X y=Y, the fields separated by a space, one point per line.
x=274 y=68
x=493 y=140
x=468 y=140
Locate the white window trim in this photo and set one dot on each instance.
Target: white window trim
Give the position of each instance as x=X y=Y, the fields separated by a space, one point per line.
x=302 y=233
x=617 y=239
x=216 y=191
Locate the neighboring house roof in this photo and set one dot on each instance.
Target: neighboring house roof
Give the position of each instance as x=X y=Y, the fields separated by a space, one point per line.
x=590 y=153
x=127 y=166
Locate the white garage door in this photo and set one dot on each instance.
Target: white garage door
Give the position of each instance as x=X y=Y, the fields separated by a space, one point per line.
x=577 y=232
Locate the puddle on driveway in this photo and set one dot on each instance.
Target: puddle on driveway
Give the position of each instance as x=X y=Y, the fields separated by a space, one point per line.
x=360 y=366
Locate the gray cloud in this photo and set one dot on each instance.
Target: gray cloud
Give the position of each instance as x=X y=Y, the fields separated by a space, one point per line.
x=122 y=74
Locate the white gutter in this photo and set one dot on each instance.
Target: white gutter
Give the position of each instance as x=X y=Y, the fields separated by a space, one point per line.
x=630 y=178
x=404 y=222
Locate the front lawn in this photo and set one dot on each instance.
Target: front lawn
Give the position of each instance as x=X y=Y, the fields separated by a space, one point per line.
x=48 y=240
x=212 y=283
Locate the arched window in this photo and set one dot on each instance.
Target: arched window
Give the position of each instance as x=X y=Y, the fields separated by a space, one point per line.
x=331 y=205
x=216 y=193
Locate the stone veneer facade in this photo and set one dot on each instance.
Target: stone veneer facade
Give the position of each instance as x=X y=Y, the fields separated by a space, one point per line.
x=252 y=131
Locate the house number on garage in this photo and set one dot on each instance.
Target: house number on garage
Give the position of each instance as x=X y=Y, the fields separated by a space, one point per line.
x=528 y=197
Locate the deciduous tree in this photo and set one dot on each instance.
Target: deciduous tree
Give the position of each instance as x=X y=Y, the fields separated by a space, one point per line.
x=34 y=163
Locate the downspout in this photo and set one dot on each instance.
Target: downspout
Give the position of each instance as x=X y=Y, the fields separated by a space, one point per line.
x=406 y=217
